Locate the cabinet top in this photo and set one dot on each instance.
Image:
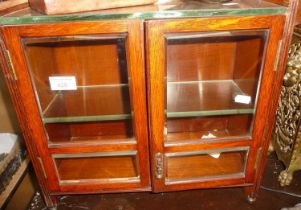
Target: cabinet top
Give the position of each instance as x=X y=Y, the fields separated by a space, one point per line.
x=170 y=9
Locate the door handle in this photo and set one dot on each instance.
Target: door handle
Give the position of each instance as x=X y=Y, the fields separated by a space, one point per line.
x=159 y=165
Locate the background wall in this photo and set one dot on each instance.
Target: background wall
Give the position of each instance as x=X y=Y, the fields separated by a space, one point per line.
x=8 y=119
x=25 y=190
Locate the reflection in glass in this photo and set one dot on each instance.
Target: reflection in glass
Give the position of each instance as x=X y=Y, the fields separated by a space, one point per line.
x=212 y=81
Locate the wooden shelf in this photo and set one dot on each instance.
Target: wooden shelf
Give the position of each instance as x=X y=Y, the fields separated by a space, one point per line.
x=89 y=103
x=86 y=118
x=206 y=98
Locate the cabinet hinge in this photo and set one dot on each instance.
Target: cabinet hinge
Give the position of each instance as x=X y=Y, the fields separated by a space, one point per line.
x=159 y=165
x=277 y=59
x=258 y=157
x=11 y=65
x=42 y=166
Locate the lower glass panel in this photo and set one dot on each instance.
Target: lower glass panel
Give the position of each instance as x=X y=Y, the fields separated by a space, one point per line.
x=90 y=131
x=107 y=166
x=211 y=164
x=206 y=128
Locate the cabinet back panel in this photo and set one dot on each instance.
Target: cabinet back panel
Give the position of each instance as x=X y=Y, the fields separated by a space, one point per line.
x=90 y=102
x=95 y=168
x=90 y=131
x=92 y=65
x=200 y=61
x=206 y=128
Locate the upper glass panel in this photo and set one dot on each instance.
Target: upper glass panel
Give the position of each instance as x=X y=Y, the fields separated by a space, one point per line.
x=170 y=9
x=211 y=84
x=81 y=85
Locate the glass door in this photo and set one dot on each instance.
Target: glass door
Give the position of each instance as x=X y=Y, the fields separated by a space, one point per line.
x=90 y=105
x=82 y=87
x=207 y=86
x=211 y=85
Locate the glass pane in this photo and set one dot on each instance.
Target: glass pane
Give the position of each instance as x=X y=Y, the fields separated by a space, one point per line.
x=90 y=131
x=206 y=164
x=211 y=84
x=81 y=85
x=118 y=166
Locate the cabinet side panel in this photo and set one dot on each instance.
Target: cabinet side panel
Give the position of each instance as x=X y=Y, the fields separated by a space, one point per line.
x=14 y=92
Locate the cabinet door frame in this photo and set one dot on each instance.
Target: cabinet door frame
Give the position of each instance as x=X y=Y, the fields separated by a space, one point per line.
x=12 y=36
x=156 y=31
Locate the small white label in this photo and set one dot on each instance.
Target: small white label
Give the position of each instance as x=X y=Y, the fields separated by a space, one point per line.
x=242 y=99
x=62 y=83
x=215 y=155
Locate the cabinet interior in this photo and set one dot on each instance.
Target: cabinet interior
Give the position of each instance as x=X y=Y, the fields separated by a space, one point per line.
x=205 y=73
x=100 y=106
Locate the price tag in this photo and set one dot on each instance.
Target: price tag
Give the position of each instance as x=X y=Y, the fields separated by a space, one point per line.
x=63 y=83
x=242 y=99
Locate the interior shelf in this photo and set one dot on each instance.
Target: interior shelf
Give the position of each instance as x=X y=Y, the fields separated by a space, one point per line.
x=89 y=103
x=208 y=98
x=209 y=113
x=87 y=118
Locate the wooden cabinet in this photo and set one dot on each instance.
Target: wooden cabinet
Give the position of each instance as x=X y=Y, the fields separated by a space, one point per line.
x=144 y=104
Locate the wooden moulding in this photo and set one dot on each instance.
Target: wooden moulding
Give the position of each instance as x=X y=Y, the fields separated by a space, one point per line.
x=72 y=6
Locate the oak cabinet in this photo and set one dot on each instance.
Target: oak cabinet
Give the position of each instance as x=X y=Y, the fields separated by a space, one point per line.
x=144 y=104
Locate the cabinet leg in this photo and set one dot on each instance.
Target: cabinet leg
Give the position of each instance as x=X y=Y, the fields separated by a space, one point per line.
x=251 y=199
x=251 y=194
x=41 y=199
x=51 y=201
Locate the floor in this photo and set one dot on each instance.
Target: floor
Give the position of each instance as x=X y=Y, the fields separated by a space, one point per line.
x=230 y=198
